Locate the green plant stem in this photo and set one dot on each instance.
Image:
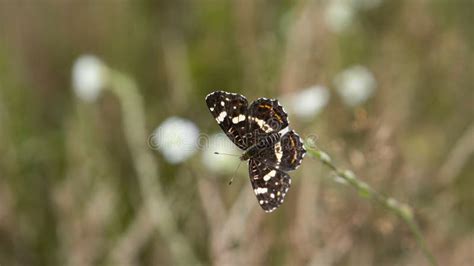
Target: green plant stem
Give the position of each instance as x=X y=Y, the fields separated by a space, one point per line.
x=155 y=201
x=402 y=210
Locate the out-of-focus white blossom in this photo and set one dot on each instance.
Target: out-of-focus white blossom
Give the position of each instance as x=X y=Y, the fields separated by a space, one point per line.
x=88 y=77
x=219 y=163
x=309 y=102
x=355 y=85
x=176 y=138
x=339 y=15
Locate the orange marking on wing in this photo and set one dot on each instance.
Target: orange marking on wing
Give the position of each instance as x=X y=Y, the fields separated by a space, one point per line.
x=279 y=118
x=295 y=154
x=266 y=106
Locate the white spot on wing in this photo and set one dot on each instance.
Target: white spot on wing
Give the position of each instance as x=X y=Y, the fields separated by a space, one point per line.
x=222 y=103
x=269 y=175
x=260 y=190
x=238 y=119
x=278 y=151
x=211 y=108
x=221 y=116
x=262 y=124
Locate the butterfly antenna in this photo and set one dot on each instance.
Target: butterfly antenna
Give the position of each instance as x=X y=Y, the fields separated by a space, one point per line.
x=235 y=173
x=228 y=154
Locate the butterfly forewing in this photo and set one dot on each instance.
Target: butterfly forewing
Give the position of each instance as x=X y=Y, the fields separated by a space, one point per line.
x=230 y=112
x=269 y=184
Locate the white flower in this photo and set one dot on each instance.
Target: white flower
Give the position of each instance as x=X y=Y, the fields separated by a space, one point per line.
x=308 y=103
x=176 y=138
x=220 y=163
x=339 y=15
x=88 y=74
x=355 y=85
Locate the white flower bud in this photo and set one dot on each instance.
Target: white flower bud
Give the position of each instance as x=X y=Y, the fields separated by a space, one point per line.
x=176 y=138
x=308 y=103
x=88 y=75
x=355 y=85
x=339 y=15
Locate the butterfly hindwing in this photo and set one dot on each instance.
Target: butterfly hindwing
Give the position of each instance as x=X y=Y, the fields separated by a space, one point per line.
x=293 y=151
x=230 y=112
x=269 y=184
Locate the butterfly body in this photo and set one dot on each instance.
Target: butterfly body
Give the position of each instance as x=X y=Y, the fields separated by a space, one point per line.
x=263 y=143
x=262 y=131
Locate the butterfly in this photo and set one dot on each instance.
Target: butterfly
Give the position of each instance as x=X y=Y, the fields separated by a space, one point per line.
x=262 y=131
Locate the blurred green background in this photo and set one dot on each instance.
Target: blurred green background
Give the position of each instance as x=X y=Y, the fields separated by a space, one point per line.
x=81 y=183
